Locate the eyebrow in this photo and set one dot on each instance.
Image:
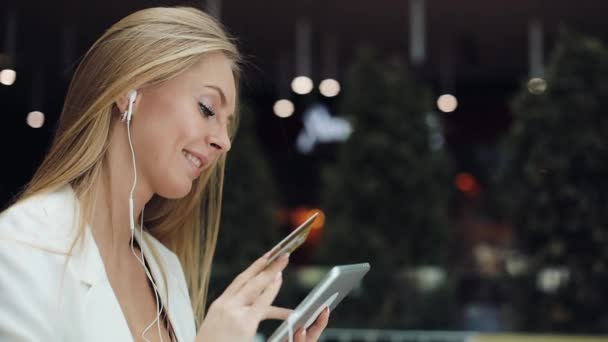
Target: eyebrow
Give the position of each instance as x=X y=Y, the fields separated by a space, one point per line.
x=219 y=90
x=222 y=96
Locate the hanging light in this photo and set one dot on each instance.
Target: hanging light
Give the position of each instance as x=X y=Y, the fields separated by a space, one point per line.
x=8 y=75
x=329 y=87
x=302 y=84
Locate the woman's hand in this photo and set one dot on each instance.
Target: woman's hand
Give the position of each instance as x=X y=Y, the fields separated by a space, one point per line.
x=313 y=332
x=236 y=314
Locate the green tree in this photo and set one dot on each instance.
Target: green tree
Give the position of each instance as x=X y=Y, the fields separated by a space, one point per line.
x=553 y=187
x=386 y=196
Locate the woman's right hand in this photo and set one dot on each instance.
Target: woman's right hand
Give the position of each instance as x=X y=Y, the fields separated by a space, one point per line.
x=237 y=313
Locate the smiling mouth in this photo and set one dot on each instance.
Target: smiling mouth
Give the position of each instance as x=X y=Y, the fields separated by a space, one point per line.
x=194 y=160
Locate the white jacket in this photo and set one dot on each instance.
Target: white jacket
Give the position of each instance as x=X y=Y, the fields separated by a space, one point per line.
x=43 y=298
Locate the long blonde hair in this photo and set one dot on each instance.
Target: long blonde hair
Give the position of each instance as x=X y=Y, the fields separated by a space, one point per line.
x=144 y=48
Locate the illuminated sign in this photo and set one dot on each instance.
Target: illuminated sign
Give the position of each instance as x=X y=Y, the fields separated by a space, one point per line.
x=321 y=127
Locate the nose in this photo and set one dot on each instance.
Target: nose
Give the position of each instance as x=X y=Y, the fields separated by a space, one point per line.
x=220 y=141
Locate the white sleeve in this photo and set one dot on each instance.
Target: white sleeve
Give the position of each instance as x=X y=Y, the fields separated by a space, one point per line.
x=28 y=278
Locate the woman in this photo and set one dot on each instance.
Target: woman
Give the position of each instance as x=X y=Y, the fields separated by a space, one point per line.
x=147 y=122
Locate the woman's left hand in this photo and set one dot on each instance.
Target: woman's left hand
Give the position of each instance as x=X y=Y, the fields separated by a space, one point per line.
x=313 y=332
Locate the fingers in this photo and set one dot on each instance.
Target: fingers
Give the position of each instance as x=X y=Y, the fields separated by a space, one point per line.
x=300 y=335
x=261 y=304
x=249 y=273
x=250 y=291
x=275 y=312
x=315 y=330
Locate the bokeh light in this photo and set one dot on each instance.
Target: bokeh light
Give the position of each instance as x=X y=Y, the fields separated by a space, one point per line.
x=35 y=119
x=329 y=87
x=302 y=85
x=8 y=76
x=447 y=103
x=283 y=108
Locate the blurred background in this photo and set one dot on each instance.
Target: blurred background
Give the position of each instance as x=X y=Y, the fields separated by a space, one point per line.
x=457 y=146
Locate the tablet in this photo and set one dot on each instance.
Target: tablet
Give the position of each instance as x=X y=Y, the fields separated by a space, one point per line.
x=329 y=292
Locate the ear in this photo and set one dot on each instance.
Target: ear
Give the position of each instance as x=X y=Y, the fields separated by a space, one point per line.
x=122 y=102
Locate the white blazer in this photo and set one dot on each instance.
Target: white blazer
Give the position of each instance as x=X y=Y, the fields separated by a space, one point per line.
x=43 y=298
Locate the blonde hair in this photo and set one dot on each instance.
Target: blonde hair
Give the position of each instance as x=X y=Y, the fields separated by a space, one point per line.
x=144 y=48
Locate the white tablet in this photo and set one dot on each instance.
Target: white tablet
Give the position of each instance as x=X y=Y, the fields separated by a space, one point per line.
x=329 y=292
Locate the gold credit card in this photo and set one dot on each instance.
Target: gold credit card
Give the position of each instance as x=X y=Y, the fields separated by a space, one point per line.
x=294 y=240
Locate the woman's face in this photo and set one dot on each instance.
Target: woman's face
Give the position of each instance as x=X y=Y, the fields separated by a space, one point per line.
x=180 y=126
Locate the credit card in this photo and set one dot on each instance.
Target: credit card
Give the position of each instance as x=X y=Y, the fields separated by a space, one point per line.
x=294 y=240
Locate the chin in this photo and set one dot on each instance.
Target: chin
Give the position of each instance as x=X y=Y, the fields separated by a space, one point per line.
x=176 y=190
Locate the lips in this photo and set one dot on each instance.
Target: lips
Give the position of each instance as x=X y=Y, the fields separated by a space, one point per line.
x=197 y=161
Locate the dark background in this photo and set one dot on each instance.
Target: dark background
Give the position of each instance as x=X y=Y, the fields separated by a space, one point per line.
x=519 y=180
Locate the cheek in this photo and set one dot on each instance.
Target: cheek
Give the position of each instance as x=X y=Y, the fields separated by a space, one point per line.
x=157 y=147
x=182 y=130
x=166 y=130
x=158 y=141
x=152 y=140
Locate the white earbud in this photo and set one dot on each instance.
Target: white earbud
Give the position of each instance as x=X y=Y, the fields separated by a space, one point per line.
x=132 y=95
x=129 y=113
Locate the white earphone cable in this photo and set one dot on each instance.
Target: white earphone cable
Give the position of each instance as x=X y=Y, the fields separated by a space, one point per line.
x=156 y=290
x=141 y=237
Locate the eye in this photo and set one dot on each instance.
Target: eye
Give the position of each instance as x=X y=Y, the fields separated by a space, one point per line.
x=206 y=111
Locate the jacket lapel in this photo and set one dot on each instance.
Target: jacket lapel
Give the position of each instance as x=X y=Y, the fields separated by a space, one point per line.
x=104 y=317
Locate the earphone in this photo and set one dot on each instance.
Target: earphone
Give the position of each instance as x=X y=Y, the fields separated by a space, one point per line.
x=127 y=116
